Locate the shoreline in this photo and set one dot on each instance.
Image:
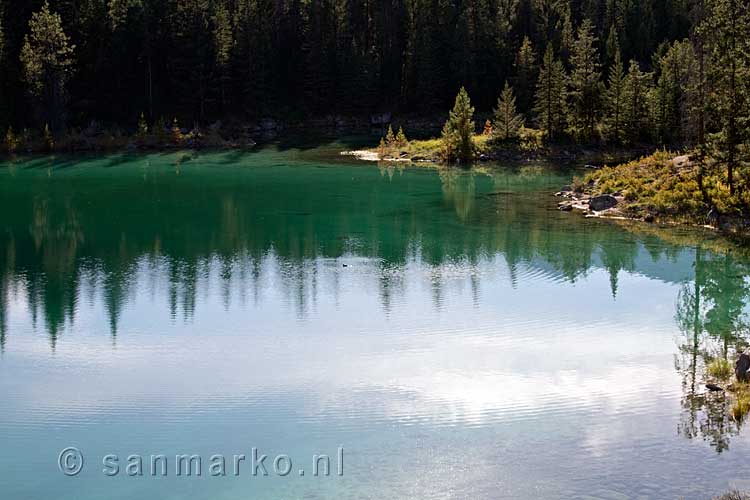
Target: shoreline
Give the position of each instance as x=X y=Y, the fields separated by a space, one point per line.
x=613 y=193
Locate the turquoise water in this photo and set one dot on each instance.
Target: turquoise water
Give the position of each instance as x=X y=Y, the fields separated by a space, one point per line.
x=450 y=331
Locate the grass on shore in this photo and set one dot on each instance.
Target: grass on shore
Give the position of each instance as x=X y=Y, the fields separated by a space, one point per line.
x=720 y=368
x=666 y=186
x=529 y=140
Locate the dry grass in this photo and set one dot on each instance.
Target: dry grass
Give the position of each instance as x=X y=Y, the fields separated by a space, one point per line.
x=720 y=368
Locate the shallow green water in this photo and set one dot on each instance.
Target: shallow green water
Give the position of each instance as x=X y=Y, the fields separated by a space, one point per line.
x=455 y=334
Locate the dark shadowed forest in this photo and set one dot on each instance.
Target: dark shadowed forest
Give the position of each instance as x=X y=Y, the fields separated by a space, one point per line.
x=71 y=61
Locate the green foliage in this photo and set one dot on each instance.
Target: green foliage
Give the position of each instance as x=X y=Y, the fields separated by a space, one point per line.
x=615 y=100
x=551 y=95
x=726 y=31
x=635 y=98
x=669 y=98
x=530 y=139
x=401 y=140
x=507 y=122
x=118 y=10
x=526 y=74
x=47 y=59
x=390 y=138
x=655 y=185
x=585 y=83
x=458 y=131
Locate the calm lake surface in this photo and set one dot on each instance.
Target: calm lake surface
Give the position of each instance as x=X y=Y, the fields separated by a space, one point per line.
x=455 y=334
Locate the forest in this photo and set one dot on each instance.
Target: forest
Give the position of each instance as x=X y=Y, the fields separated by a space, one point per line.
x=67 y=62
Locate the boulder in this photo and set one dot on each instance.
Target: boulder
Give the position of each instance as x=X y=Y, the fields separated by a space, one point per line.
x=741 y=367
x=565 y=207
x=603 y=202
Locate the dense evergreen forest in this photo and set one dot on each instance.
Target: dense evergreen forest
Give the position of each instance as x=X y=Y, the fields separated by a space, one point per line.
x=620 y=70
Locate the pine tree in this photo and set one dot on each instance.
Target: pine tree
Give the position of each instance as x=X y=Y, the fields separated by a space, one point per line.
x=613 y=46
x=390 y=138
x=401 y=140
x=585 y=83
x=551 y=95
x=47 y=59
x=507 y=122
x=635 y=97
x=458 y=131
x=615 y=99
x=727 y=33
x=670 y=113
x=3 y=110
x=223 y=44
x=526 y=75
x=567 y=38
x=2 y=35
x=142 y=126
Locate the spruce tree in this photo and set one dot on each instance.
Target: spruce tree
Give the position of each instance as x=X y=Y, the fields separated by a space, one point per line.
x=526 y=76
x=726 y=30
x=458 y=131
x=585 y=83
x=670 y=113
x=2 y=35
x=401 y=140
x=635 y=97
x=47 y=59
x=551 y=95
x=615 y=99
x=390 y=138
x=507 y=122
x=3 y=111
x=223 y=44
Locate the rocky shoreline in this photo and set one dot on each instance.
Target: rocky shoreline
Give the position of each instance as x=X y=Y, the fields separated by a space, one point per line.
x=591 y=197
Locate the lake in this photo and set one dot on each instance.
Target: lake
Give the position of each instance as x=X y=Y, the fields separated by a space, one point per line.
x=436 y=333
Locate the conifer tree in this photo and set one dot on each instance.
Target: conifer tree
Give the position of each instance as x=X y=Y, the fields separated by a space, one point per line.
x=567 y=37
x=635 y=97
x=670 y=113
x=507 y=122
x=223 y=44
x=2 y=34
x=727 y=33
x=458 y=131
x=585 y=82
x=615 y=99
x=390 y=138
x=551 y=95
x=526 y=75
x=3 y=111
x=401 y=140
x=47 y=59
